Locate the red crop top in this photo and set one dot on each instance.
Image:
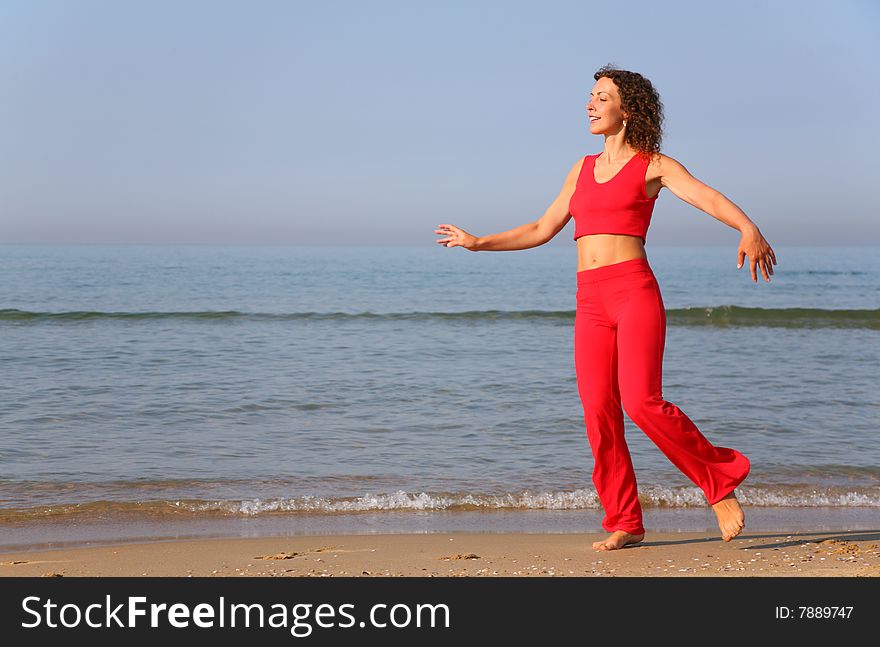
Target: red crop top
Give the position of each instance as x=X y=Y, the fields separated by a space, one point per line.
x=618 y=206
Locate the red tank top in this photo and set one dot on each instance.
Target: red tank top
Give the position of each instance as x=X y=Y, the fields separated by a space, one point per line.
x=618 y=206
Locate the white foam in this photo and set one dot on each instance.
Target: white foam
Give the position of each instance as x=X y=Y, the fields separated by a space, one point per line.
x=583 y=499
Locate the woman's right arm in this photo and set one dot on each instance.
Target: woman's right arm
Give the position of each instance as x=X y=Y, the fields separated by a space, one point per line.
x=526 y=236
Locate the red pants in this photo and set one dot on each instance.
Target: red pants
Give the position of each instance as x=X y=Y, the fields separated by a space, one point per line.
x=619 y=335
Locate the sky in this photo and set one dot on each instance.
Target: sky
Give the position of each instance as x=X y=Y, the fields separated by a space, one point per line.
x=319 y=123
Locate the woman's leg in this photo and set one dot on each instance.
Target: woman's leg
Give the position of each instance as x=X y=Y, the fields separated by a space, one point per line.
x=595 y=352
x=641 y=330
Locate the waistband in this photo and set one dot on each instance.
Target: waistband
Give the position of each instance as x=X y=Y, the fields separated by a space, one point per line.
x=612 y=270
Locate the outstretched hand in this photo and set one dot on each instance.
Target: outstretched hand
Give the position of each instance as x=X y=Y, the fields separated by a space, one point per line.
x=755 y=246
x=455 y=236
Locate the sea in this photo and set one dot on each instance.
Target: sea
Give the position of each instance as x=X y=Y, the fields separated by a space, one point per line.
x=167 y=392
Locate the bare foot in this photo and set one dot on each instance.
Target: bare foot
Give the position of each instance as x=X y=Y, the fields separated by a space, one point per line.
x=617 y=539
x=731 y=519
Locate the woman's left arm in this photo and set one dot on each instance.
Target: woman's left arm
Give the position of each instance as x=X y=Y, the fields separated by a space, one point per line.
x=675 y=177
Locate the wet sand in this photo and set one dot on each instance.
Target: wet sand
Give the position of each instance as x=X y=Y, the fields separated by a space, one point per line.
x=853 y=553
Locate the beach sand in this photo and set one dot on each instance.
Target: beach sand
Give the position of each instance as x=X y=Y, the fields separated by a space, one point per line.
x=456 y=554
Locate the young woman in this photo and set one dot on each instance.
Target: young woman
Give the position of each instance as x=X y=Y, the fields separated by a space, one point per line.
x=620 y=321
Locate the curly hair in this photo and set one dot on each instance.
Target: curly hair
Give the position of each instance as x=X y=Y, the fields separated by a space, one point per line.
x=639 y=99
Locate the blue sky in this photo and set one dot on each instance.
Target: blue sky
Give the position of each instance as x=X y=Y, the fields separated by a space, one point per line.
x=216 y=122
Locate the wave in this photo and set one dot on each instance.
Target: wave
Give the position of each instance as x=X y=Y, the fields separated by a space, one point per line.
x=829 y=272
x=583 y=499
x=730 y=315
x=723 y=316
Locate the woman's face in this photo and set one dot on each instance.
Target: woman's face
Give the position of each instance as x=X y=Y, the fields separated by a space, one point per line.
x=603 y=108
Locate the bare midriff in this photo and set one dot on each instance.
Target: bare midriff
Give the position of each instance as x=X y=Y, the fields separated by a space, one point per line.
x=596 y=250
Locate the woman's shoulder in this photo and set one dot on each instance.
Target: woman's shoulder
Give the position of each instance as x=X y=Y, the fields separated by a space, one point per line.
x=663 y=158
x=659 y=162
x=654 y=157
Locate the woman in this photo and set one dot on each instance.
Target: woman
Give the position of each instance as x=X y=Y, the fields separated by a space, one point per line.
x=620 y=321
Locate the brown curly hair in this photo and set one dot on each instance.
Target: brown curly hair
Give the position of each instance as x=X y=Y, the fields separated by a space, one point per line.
x=641 y=102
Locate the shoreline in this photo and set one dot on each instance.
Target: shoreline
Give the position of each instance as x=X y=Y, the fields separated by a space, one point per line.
x=853 y=553
x=83 y=531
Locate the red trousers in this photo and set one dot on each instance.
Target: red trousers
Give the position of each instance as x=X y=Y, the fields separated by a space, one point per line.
x=619 y=336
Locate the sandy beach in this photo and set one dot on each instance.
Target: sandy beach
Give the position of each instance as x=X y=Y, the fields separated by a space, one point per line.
x=680 y=554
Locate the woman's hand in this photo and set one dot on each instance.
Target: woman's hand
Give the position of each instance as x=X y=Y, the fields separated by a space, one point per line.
x=756 y=247
x=455 y=237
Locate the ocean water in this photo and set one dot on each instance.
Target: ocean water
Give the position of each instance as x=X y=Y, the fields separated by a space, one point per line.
x=248 y=390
